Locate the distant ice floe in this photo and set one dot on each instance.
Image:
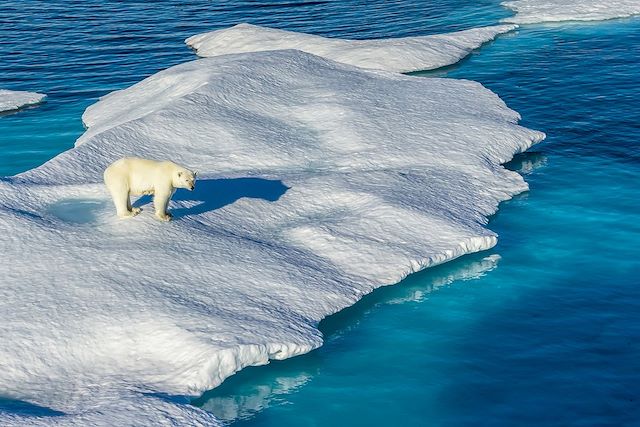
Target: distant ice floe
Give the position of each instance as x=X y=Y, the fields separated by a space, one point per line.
x=535 y=11
x=394 y=54
x=319 y=182
x=11 y=100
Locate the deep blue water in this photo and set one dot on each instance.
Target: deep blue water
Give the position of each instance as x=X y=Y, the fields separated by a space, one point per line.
x=543 y=329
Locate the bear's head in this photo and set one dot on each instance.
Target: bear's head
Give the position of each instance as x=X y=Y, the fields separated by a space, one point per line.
x=184 y=178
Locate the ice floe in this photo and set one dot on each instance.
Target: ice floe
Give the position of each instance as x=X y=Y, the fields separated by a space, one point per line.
x=268 y=387
x=320 y=181
x=11 y=100
x=535 y=11
x=394 y=54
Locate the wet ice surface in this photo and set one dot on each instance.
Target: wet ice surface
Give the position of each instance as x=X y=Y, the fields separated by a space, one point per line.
x=78 y=211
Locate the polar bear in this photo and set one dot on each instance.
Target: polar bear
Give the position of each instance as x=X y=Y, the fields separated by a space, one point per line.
x=131 y=176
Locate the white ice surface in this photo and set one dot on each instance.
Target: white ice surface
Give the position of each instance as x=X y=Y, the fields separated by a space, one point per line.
x=14 y=99
x=395 y=54
x=318 y=182
x=535 y=11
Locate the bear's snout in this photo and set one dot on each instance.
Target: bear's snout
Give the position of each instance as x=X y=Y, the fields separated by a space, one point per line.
x=192 y=187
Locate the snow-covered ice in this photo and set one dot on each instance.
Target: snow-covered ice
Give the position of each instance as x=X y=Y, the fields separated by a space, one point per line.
x=320 y=181
x=15 y=99
x=394 y=54
x=534 y=11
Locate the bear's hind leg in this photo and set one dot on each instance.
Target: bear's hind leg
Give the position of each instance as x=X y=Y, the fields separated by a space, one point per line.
x=119 y=190
x=122 y=202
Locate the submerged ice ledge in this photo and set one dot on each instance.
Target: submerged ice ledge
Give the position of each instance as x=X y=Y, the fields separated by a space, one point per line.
x=394 y=54
x=320 y=182
x=267 y=389
x=11 y=100
x=536 y=11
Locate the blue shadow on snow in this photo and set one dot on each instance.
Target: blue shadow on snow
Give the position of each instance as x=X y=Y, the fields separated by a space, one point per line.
x=217 y=193
x=26 y=409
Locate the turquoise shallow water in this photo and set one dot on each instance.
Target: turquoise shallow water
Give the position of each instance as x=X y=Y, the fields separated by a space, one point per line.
x=543 y=329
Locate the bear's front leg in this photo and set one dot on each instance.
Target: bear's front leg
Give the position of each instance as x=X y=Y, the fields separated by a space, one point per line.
x=161 y=202
x=166 y=217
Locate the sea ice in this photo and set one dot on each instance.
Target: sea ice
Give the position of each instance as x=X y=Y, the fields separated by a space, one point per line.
x=399 y=54
x=15 y=99
x=320 y=181
x=534 y=11
x=268 y=388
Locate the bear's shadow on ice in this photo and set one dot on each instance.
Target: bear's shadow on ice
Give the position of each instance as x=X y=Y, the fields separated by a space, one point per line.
x=212 y=194
x=26 y=409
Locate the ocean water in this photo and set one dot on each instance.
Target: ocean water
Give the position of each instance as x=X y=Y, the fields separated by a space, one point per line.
x=542 y=329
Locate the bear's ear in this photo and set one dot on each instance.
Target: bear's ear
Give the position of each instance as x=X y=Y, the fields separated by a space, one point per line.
x=195 y=174
x=179 y=174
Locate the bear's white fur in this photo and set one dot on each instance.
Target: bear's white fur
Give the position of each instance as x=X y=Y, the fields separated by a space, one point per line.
x=131 y=176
